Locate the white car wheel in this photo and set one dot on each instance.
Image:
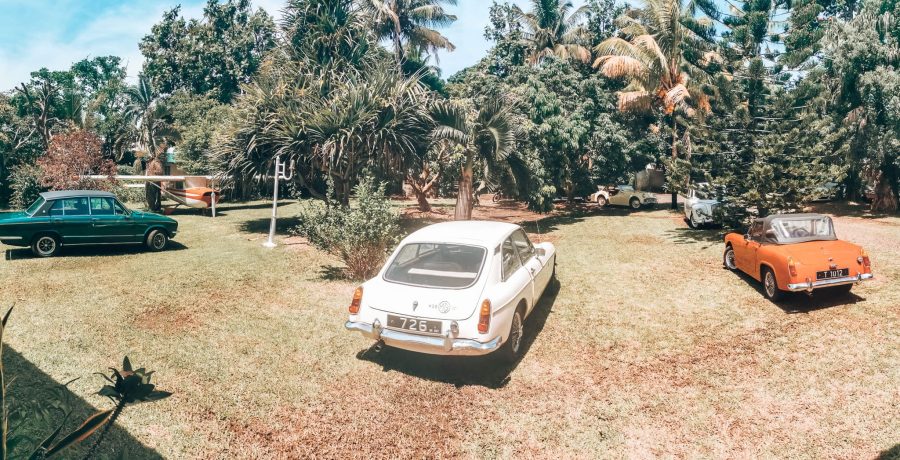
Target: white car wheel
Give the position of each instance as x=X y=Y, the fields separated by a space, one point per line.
x=693 y=221
x=601 y=200
x=513 y=347
x=635 y=203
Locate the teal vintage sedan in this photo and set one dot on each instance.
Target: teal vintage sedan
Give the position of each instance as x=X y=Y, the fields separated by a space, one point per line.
x=83 y=217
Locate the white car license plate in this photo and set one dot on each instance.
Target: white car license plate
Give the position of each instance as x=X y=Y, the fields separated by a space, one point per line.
x=423 y=326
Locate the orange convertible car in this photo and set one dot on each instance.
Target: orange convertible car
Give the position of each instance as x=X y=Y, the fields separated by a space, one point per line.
x=796 y=252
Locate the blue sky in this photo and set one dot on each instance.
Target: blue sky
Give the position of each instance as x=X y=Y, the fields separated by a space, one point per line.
x=56 y=33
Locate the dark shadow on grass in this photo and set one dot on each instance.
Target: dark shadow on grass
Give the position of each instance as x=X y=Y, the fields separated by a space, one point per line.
x=848 y=209
x=487 y=371
x=891 y=454
x=801 y=302
x=30 y=388
x=104 y=250
x=333 y=273
x=550 y=224
x=282 y=226
x=710 y=236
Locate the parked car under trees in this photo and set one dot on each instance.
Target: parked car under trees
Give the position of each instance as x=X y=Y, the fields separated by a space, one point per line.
x=700 y=205
x=83 y=217
x=622 y=195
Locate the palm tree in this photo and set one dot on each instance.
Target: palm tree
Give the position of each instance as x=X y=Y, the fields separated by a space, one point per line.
x=153 y=123
x=486 y=136
x=553 y=29
x=653 y=59
x=410 y=24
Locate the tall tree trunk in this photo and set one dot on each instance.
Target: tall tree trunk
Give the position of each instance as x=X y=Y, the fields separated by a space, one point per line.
x=153 y=196
x=422 y=199
x=885 y=196
x=674 y=156
x=463 y=210
x=152 y=190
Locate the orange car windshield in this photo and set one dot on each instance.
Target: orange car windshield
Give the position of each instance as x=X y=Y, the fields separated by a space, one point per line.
x=797 y=230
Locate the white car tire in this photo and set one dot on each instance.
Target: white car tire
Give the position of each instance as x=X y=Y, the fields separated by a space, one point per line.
x=692 y=221
x=635 y=203
x=512 y=348
x=601 y=201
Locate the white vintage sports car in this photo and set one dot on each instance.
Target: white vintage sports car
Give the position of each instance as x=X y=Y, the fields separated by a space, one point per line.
x=700 y=204
x=622 y=195
x=455 y=288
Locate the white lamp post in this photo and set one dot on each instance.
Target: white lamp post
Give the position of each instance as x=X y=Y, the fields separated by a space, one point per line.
x=280 y=173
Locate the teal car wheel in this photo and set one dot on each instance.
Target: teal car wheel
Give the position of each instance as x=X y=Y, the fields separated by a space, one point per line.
x=45 y=246
x=157 y=240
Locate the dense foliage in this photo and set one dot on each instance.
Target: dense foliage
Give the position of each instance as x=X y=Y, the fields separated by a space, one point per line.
x=361 y=235
x=768 y=100
x=212 y=56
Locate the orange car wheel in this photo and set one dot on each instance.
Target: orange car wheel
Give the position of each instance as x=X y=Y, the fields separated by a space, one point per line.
x=770 y=286
x=729 y=259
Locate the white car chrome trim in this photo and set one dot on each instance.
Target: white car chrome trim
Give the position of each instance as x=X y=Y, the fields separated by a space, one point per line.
x=427 y=272
x=439 y=343
x=797 y=287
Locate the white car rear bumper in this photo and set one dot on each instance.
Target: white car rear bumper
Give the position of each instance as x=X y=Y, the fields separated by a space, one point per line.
x=437 y=345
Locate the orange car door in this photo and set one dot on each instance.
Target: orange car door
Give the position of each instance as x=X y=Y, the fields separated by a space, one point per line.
x=745 y=251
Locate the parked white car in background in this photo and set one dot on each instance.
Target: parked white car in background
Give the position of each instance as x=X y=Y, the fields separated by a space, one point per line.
x=699 y=205
x=623 y=195
x=455 y=288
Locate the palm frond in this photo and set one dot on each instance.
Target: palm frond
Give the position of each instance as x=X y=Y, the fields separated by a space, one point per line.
x=635 y=101
x=621 y=67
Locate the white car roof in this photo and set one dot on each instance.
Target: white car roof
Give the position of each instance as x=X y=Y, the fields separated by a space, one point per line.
x=481 y=232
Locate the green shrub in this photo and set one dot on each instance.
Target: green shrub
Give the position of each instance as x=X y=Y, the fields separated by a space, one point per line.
x=132 y=195
x=25 y=182
x=361 y=236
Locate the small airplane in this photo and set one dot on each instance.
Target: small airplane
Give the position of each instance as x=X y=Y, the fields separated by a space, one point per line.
x=196 y=192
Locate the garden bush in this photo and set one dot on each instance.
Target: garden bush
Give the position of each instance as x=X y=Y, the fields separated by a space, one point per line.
x=361 y=236
x=25 y=182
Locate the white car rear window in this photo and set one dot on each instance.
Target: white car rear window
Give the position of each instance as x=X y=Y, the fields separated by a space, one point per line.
x=436 y=265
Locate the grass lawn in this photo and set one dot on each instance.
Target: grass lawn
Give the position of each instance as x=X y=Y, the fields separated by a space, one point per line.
x=646 y=347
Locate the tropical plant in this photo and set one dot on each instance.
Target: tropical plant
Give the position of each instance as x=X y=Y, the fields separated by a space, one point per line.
x=126 y=387
x=329 y=101
x=555 y=28
x=663 y=58
x=409 y=24
x=486 y=136
x=361 y=235
x=129 y=387
x=153 y=122
x=425 y=176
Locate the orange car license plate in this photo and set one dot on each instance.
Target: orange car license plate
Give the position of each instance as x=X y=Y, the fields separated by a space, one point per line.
x=827 y=274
